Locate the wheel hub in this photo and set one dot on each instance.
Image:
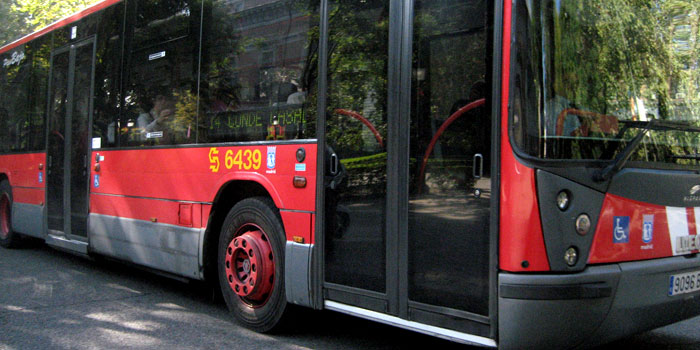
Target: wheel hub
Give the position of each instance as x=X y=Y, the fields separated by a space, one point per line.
x=250 y=266
x=246 y=266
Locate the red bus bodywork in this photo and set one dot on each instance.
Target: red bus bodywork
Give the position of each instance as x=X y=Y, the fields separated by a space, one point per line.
x=175 y=191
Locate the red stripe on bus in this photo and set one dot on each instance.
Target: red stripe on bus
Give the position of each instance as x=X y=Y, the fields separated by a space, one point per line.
x=148 y=209
x=197 y=174
x=297 y=226
x=23 y=169
x=604 y=248
x=692 y=225
x=521 y=243
x=34 y=196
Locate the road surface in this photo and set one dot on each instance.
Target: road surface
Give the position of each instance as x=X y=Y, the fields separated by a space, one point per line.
x=54 y=300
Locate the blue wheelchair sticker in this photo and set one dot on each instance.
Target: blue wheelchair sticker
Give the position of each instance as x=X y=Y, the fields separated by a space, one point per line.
x=621 y=229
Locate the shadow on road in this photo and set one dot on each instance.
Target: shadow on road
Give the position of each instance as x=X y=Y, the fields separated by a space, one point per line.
x=52 y=299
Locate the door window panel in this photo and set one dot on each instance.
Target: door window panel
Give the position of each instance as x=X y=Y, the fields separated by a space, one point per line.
x=356 y=120
x=450 y=191
x=58 y=105
x=79 y=162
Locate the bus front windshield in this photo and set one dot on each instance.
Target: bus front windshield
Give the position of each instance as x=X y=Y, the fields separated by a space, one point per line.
x=593 y=74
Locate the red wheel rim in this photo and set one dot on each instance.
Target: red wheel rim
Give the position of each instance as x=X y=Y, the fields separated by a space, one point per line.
x=250 y=265
x=5 y=216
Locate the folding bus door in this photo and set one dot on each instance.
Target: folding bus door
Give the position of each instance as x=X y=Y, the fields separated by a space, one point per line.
x=450 y=150
x=70 y=98
x=407 y=185
x=356 y=154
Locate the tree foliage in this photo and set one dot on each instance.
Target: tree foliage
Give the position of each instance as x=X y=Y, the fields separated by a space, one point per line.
x=13 y=22
x=21 y=17
x=616 y=64
x=40 y=13
x=609 y=54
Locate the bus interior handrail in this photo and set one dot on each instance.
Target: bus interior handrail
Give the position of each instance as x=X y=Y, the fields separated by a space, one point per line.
x=358 y=116
x=456 y=115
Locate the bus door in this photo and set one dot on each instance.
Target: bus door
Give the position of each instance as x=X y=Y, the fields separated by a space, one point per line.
x=408 y=195
x=450 y=188
x=70 y=99
x=355 y=178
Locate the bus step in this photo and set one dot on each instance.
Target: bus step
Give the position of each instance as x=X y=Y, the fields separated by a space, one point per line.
x=60 y=241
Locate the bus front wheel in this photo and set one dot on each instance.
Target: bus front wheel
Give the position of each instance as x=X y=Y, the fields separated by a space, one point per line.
x=251 y=264
x=8 y=238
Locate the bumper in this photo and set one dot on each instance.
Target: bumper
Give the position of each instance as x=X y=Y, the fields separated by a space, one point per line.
x=598 y=305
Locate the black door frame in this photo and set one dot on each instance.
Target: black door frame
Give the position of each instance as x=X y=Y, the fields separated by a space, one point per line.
x=387 y=302
x=395 y=299
x=68 y=135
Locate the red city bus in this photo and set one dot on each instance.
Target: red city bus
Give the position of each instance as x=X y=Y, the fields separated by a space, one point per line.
x=509 y=174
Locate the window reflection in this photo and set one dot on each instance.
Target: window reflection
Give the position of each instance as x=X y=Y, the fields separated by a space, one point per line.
x=449 y=209
x=108 y=75
x=592 y=73
x=259 y=62
x=161 y=97
x=21 y=110
x=356 y=122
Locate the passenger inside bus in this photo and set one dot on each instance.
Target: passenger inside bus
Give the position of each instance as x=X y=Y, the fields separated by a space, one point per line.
x=298 y=96
x=155 y=119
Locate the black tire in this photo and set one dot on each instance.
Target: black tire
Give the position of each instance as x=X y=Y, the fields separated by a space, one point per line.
x=253 y=216
x=8 y=238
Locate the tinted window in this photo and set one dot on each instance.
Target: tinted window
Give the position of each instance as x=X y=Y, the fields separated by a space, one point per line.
x=450 y=195
x=77 y=31
x=40 y=52
x=158 y=21
x=107 y=76
x=259 y=62
x=356 y=124
x=160 y=98
x=15 y=79
x=590 y=76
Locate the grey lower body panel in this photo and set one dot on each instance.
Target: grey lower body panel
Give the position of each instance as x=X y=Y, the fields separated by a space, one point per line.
x=596 y=306
x=297 y=274
x=27 y=219
x=169 y=248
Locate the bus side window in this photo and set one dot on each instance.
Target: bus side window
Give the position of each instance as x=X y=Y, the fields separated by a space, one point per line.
x=264 y=91
x=161 y=91
x=16 y=77
x=107 y=77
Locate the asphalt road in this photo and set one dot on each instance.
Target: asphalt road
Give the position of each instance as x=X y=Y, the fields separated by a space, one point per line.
x=54 y=300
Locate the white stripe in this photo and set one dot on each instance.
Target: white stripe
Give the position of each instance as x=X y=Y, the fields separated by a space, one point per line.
x=410 y=325
x=677 y=225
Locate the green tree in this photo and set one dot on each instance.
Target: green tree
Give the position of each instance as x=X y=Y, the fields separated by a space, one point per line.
x=634 y=59
x=40 y=13
x=21 y=17
x=608 y=53
x=14 y=25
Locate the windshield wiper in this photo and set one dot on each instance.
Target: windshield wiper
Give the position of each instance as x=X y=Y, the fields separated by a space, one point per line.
x=621 y=159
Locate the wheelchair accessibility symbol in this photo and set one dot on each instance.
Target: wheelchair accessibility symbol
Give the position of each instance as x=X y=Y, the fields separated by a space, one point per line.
x=621 y=229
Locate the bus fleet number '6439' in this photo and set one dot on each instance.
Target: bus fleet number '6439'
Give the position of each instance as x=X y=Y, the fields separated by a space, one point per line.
x=242 y=159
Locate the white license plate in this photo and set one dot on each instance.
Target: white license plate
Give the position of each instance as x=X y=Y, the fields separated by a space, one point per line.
x=683 y=283
x=686 y=244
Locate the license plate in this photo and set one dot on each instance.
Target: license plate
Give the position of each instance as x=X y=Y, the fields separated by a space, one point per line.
x=683 y=283
x=686 y=244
